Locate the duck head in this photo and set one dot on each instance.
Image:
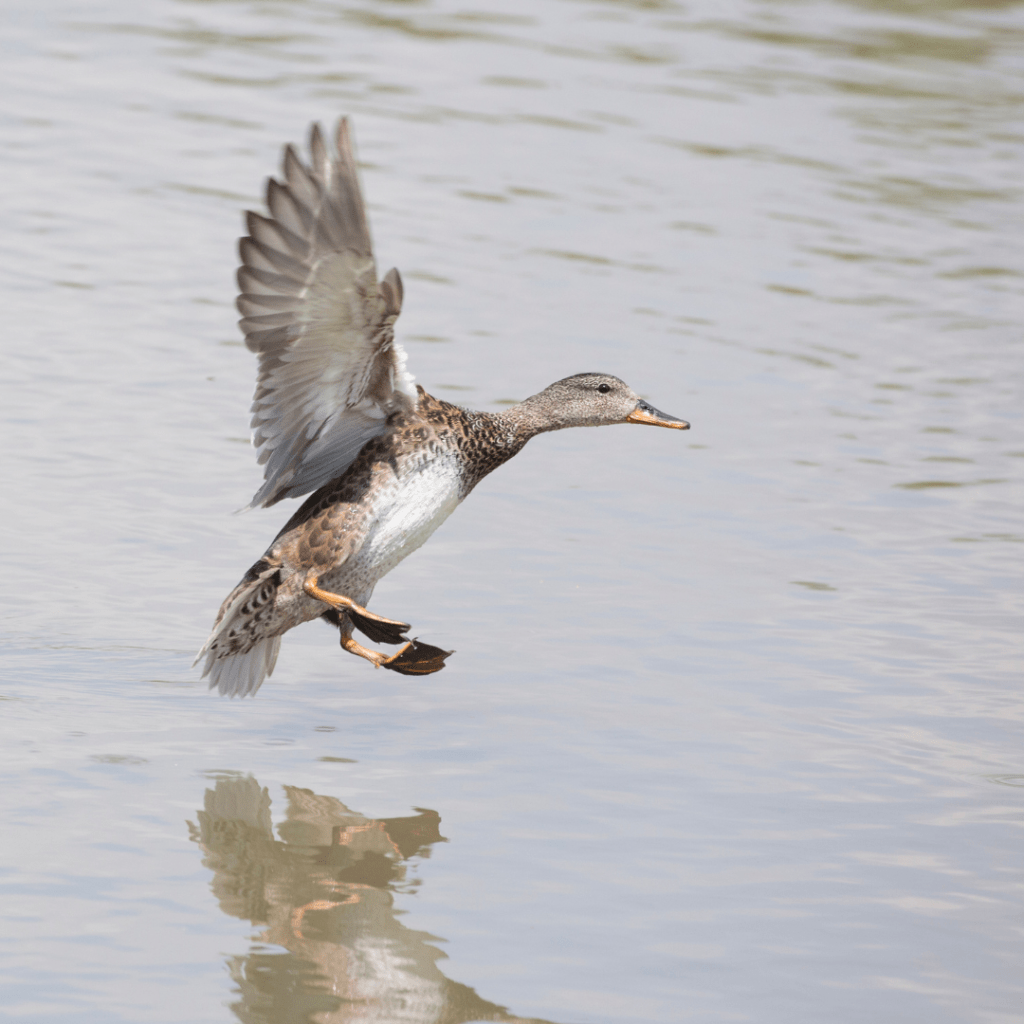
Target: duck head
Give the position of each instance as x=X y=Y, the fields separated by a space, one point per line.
x=593 y=400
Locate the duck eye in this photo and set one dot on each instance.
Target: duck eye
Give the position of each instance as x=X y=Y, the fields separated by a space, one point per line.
x=604 y=388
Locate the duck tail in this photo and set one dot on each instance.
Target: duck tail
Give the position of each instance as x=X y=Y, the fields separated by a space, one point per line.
x=241 y=675
x=238 y=655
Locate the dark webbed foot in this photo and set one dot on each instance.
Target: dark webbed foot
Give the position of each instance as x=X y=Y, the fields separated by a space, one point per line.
x=378 y=629
x=417 y=659
x=414 y=659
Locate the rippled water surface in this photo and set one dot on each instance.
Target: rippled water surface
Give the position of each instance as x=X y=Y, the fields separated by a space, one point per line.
x=735 y=726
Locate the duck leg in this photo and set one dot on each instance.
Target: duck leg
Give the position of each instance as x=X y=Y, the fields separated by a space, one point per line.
x=376 y=627
x=414 y=659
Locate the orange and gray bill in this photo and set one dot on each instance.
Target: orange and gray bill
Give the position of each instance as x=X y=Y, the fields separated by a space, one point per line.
x=644 y=413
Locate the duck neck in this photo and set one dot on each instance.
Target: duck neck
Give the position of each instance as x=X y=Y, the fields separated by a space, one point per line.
x=490 y=439
x=534 y=415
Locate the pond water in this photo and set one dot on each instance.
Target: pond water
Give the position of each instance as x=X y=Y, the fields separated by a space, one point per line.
x=734 y=730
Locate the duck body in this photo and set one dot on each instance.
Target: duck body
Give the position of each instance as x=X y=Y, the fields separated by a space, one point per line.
x=336 y=414
x=357 y=528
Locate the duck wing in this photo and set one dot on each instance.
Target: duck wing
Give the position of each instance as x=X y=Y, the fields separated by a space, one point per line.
x=330 y=372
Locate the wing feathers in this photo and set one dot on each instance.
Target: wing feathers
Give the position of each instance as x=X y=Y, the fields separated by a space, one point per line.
x=321 y=163
x=257 y=305
x=263 y=321
x=277 y=237
x=330 y=372
x=258 y=256
x=253 y=281
x=260 y=341
x=302 y=185
x=391 y=291
x=287 y=211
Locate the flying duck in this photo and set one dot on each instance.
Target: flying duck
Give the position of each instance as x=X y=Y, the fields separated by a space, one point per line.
x=336 y=413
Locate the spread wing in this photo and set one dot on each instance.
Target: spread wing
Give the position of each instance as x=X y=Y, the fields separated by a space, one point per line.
x=330 y=372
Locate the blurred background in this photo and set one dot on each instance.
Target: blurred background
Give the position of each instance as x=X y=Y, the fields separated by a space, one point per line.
x=734 y=730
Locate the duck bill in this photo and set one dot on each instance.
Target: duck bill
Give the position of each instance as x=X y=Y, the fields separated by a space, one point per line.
x=644 y=413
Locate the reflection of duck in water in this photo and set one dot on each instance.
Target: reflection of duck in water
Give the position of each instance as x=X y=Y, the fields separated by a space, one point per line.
x=324 y=891
x=336 y=413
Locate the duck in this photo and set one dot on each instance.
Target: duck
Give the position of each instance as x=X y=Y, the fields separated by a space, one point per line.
x=336 y=416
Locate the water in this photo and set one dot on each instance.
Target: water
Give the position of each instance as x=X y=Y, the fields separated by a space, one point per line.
x=734 y=726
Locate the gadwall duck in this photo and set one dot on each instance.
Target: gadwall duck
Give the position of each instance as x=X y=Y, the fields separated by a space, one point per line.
x=336 y=413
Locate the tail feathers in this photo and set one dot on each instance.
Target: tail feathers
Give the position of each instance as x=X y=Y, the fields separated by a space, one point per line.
x=238 y=657
x=239 y=675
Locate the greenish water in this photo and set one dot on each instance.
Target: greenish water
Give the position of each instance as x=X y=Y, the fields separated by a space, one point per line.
x=734 y=729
